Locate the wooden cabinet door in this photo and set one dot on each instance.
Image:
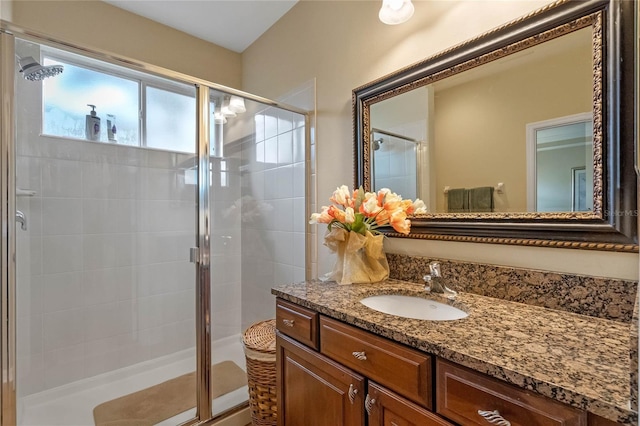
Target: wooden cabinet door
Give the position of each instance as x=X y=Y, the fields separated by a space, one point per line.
x=386 y=408
x=313 y=390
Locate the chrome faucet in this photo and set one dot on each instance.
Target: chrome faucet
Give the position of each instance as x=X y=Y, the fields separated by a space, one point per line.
x=434 y=282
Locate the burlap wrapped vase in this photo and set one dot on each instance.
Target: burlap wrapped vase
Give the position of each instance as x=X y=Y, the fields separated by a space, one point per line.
x=360 y=258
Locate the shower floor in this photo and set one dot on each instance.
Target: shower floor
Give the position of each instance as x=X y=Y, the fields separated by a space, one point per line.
x=72 y=404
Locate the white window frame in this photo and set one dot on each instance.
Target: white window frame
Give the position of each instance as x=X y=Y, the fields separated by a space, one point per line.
x=143 y=81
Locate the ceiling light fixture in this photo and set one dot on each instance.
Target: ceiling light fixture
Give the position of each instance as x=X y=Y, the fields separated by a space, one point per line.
x=395 y=12
x=226 y=110
x=236 y=104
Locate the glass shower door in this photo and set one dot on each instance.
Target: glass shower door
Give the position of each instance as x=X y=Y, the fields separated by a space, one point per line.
x=105 y=290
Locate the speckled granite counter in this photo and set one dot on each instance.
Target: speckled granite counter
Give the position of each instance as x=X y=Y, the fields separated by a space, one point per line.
x=579 y=360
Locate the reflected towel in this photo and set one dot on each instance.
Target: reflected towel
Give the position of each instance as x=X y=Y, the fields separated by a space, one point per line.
x=457 y=200
x=481 y=199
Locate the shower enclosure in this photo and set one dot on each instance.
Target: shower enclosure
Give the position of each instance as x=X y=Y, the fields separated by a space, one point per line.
x=132 y=263
x=394 y=163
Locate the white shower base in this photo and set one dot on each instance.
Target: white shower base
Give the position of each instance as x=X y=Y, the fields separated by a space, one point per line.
x=72 y=404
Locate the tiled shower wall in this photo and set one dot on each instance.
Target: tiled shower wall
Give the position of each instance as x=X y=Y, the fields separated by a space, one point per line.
x=274 y=215
x=103 y=273
x=104 y=279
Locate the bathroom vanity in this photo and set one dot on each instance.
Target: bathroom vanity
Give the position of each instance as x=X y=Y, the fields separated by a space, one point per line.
x=342 y=363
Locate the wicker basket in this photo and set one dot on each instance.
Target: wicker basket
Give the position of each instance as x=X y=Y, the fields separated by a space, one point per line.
x=260 y=351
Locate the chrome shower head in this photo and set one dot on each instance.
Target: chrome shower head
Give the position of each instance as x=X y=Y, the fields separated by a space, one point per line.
x=33 y=71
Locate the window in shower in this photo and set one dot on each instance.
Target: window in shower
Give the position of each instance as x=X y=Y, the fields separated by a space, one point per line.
x=67 y=97
x=169 y=120
x=147 y=112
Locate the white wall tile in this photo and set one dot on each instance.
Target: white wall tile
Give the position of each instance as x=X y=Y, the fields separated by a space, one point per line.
x=31 y=374
x=149 y=312
x=283 y=274
x=63 y=329
x=99 y=251
x=136 y=347
x=283 y=215
x=29 y=329
x=100 y=286
x=131 y=156
x=62 y=291
x=61 y=178
x=28 y=256
x=270 y=178
x=106 y=320
x=101 y=356
x=160 y=184
x=130 y=181
x=63 y=365
x=298 y=145
x=270 y=123
x=283 y=247
x=98 y=152
x=259 y=127
x=29 y=297
x=285 y=121
x=284 y=182
x=285 y=148
x=99 y=180
x=271 y=152
x=61 y=216
x=63 y=253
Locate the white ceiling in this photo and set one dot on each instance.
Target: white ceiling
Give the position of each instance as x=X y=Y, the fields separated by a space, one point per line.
x=233 y=24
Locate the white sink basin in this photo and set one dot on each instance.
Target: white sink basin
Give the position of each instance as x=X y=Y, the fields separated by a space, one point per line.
x=413 y=307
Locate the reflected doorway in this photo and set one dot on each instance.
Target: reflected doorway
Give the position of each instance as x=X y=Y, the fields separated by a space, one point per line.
x=560 y=164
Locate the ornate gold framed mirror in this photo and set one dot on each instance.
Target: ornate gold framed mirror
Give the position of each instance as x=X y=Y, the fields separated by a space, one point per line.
x=523 y=135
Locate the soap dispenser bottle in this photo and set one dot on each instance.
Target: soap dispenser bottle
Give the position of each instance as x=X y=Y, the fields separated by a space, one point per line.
x=92 y=125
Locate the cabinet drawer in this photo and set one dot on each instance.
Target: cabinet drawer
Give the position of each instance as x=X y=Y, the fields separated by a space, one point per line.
x=461 y=393
x=403 y=370
x=297 y=322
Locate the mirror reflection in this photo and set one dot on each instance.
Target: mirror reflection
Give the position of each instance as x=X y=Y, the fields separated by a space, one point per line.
x=512 y=135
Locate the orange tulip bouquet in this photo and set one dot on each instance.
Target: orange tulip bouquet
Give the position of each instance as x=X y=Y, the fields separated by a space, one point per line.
x=352 y=222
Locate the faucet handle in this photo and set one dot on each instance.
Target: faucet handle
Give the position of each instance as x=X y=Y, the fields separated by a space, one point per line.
x=427 y=282
x=434 y=268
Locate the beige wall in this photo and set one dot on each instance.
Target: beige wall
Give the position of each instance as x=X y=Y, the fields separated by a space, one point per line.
x=343 y=45
x=479 y=149
x=5 y=10
x=99 y=25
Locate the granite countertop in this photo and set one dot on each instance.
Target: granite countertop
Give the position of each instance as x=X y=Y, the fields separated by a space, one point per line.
x=578 y=360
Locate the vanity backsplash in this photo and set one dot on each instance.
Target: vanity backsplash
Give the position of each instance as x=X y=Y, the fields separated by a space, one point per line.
x=607 y=298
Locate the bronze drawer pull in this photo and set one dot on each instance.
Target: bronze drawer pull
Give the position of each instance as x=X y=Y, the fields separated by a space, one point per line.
x=352 y=393
x=494 y=417
x=360 y=355
x=288 y=322
x=368 y=404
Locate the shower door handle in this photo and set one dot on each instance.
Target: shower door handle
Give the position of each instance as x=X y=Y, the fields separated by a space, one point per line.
x=21 y=219
x=194 y=255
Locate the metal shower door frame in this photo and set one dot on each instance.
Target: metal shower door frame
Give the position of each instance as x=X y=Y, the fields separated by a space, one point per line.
x=8 y=248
